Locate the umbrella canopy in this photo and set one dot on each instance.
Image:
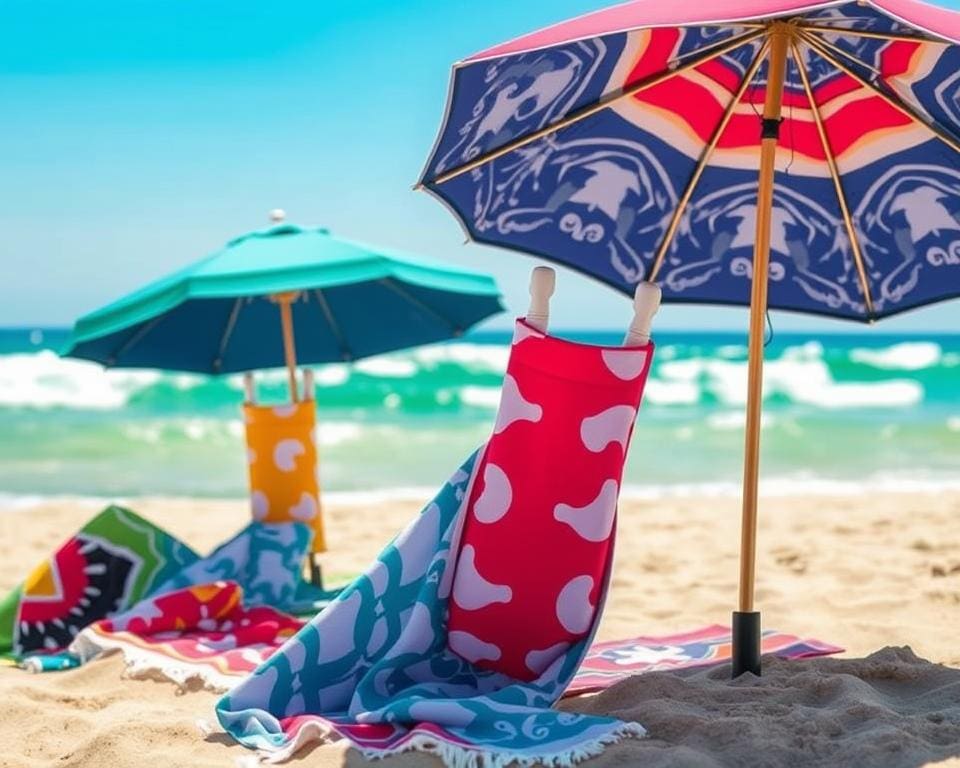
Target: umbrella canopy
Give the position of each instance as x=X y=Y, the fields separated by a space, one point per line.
x=784 y=153
x=347 y=301
x=624 y=144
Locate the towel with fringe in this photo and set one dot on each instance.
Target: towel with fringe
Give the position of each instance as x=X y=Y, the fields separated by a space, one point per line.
x=458 y=640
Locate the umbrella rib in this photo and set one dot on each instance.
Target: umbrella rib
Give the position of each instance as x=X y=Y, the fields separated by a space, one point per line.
x=838 y=51
x=592 y=109
x=837 y=183
x=134 y=339
x=227 y=333
x=891 y=99
x=345 y=351
x=419 y=304
x=890 y=36
x=702 y=164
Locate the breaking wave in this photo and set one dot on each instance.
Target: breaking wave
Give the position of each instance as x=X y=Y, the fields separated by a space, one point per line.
x=467 y=376
x=839 y=409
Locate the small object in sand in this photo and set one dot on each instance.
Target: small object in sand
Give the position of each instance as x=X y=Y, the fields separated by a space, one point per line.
x=53 y=662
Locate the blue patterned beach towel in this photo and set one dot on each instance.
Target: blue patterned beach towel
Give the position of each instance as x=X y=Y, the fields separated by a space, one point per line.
x=374 y=668
x=466 y=630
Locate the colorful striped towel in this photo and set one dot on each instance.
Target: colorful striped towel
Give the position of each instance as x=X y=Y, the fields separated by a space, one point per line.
x=200 y=633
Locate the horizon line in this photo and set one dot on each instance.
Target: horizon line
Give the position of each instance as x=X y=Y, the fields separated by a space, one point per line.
x=846 y=330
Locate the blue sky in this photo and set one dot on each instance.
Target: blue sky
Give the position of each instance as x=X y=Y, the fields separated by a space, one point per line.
x=138 y=136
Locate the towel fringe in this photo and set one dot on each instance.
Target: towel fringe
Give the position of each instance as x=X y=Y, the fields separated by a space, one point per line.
x=456 y=756
x=459 y=756
x=143 y=664
x=147 y=669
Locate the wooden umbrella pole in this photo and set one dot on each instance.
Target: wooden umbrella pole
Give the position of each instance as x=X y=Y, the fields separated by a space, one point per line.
x=746 y=634
x=316 y=573
x=285 y=300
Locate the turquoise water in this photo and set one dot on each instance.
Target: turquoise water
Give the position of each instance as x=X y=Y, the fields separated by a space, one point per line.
x=855 y=410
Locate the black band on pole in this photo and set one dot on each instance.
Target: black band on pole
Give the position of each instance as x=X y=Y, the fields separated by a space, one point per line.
x=770 y=128
x=746 y=643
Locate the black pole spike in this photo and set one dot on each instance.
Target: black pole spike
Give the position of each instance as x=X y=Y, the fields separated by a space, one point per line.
x=746 y=643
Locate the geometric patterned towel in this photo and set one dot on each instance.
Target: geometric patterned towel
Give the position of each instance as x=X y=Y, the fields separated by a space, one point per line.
x=106 y=567
x=610 y=662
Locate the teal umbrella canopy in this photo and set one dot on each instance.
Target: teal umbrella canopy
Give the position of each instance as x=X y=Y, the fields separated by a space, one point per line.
x=347 y=301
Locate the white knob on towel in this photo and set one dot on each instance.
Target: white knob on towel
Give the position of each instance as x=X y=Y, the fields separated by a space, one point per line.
x=308 y=386
x=249 y=388
x=543 y=281
x=646 y=302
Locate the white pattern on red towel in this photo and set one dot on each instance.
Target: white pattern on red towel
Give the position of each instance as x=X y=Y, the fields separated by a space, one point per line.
x=538 y=533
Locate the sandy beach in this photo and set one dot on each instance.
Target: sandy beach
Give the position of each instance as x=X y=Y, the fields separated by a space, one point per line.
x=274 y=273
x=881 y=579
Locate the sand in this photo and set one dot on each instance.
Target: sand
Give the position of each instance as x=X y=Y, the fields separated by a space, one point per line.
x=881 y=578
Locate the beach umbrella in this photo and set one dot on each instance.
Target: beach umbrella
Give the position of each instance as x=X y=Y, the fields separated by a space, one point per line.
x=285 y=296
x=789 y=154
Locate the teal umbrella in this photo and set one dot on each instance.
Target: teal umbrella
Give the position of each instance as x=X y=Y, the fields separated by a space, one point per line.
x=237 y=309
x=345 y=300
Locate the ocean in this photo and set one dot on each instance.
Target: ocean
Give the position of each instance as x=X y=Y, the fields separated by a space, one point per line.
x=842 y=413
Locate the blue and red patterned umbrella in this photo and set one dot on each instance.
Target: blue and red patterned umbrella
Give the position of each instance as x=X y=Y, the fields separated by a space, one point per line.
x=626 y=144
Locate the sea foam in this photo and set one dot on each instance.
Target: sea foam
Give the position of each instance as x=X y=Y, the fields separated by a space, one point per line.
x=473 y=357
x=800 y=375
x=908 y=356
x=44 y=380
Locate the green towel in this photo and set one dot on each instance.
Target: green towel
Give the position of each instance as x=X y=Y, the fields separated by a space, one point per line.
x=106 y=567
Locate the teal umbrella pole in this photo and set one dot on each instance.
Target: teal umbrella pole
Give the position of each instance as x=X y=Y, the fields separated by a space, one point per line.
x=285 y=302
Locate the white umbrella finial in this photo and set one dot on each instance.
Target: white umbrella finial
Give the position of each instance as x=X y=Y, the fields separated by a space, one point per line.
x=278 y=215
